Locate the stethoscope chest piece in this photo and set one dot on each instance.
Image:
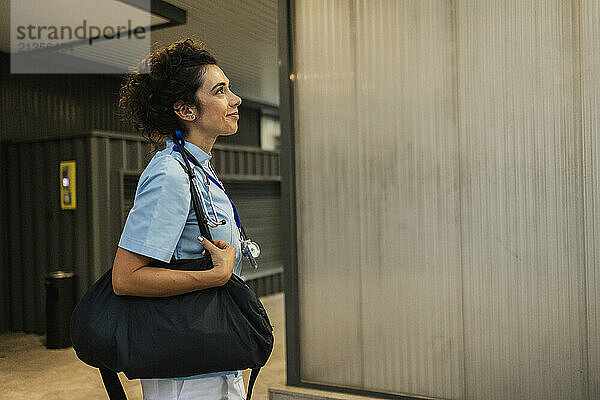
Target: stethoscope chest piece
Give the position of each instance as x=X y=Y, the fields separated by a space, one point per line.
x=251 y=250
x=254 y=249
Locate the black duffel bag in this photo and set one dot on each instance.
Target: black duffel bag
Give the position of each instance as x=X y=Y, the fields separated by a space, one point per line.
x=223 y=328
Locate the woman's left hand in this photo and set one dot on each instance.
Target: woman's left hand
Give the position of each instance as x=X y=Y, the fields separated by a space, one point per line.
x=223 y=256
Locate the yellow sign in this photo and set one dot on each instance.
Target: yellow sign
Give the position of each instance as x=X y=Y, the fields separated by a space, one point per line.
x=68 y=199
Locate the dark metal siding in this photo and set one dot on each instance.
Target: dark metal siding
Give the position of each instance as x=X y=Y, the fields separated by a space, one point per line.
x=268 y=284
x=42 y=238
x=36 y=106
x=259 y=205
x=251 y=178
x=4 y=276
x=51 y=117
x=110 y=154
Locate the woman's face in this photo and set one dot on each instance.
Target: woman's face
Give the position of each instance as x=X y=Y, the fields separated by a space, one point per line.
x=217 y=103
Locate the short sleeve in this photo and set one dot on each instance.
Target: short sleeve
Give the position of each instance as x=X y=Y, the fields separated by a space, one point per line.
x=160 y=210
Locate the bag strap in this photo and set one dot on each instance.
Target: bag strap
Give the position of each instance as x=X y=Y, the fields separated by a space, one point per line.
x=204 y=231
x=253 y=376
x=112 y=384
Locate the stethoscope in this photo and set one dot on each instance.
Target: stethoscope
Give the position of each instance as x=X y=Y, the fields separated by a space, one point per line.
x=250 y=249
x=212 y=222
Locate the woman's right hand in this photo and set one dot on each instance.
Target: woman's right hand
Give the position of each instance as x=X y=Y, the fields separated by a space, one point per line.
x=223 y=257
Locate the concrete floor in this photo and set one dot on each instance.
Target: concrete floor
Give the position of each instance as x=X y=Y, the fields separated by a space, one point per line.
x=29 y=371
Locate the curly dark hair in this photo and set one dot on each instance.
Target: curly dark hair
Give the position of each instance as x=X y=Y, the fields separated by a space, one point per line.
x=147 y=94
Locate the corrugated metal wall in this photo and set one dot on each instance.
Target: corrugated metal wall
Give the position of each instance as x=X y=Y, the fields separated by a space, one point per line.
x=327 y=173
x=377 y=184
x=4 y=277
x=251 y=178
x=36 y=106
x=109 y=154
x=33 y=225
x=44 y=238
x=521 y=190
x=446 y=189
x=259 y=204
x=590 y=104
x=523 y=248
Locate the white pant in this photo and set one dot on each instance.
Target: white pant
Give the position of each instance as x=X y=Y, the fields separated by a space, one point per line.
x=224 y=387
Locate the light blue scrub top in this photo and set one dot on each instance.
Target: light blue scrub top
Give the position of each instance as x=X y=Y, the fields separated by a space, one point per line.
x=162 y=223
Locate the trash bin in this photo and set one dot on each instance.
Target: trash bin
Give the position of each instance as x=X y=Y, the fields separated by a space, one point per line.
x=59 y=306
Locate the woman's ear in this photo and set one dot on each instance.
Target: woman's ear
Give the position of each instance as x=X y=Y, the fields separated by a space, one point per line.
x=184 y=111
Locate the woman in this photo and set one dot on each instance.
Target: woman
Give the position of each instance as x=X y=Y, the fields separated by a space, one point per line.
x=179 y=88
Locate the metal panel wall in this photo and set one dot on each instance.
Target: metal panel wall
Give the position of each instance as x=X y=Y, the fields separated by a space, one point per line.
x=4 y=276
x=521 y=200
x=41 y=236
x=377 y=187
x=245 y=163
x=446 y=196
x=590 y=86
x=44 y=238
x=251 y=179
x=327 y=186
x=36 y=106
x=409 y=198
x=110 y=153
x=259 y=206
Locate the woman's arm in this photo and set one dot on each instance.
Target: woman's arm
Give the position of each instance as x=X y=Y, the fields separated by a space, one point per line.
x=132 y=277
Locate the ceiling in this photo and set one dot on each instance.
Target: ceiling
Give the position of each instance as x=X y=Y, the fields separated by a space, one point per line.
x=242 y=35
